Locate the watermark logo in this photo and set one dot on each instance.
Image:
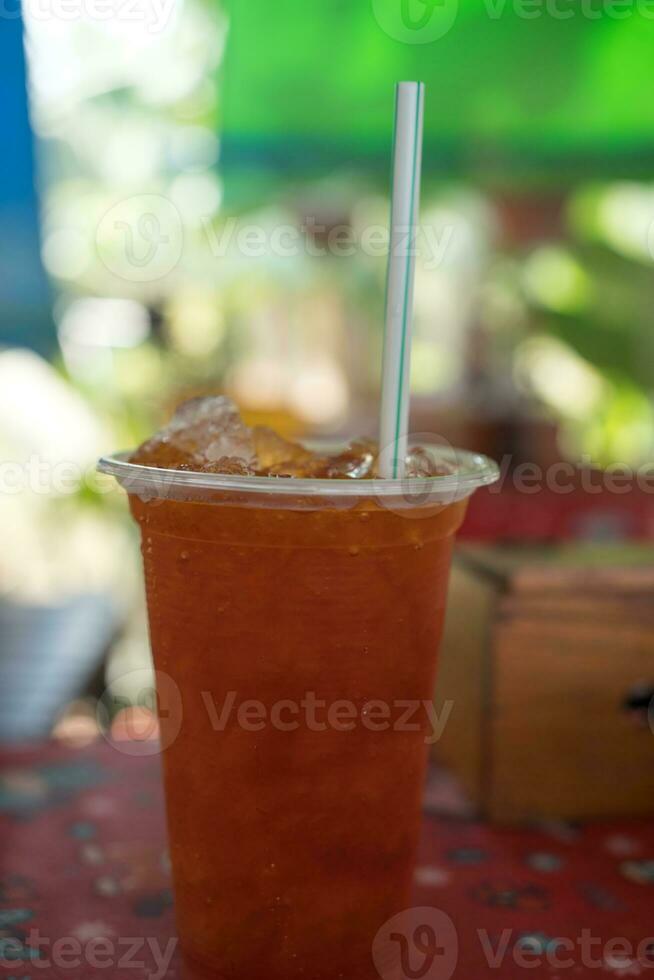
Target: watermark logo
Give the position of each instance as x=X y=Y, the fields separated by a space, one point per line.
x=142 y=713
x=423 y=944
x=417 y=944
x=415 y=21
x=141 y=238
x=436 y=473
x=431 y=476
x=426 y=21
x=152 y=699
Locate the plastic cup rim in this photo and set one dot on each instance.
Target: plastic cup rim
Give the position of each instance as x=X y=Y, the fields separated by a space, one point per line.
x=474 y=470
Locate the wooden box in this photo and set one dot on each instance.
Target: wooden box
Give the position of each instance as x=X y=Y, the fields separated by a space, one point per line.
x=548 y=660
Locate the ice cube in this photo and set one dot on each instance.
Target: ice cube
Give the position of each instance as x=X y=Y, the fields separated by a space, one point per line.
x=208 y=435
x=231 y=465
x=214 y=429
x=354 y=463
x=272 y=449
x=201 y=433
x=159 y=451
x=278 y=457
x=422 y=463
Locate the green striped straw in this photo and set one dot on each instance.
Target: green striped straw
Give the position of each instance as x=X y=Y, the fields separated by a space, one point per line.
x=405 y=205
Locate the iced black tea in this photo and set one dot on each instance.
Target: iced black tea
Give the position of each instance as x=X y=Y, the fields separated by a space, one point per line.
x=299 y=629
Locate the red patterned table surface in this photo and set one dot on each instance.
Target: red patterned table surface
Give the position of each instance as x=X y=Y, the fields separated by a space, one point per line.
x=85 y=889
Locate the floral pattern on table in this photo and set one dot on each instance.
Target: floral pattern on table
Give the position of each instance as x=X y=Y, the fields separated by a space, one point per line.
x=85 y=879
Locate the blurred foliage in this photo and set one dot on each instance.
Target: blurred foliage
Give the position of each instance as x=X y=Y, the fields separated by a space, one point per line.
x=156 y=155
x=562 y=306
x=595 y=294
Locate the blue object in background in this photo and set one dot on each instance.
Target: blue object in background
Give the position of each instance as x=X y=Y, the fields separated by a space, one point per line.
x=25 y=302
x=48 y=654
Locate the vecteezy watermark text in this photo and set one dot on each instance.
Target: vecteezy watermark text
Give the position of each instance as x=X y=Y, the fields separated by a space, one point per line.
x=565 y=476
x=157 y=694
x=43 y=476
x=154 y=15
x=141 y=239
x=313 y=238
x=567 y=9
x=422 y=943
x=426 y=21
x=232 y=711
x=316 y=714
x=151 y=956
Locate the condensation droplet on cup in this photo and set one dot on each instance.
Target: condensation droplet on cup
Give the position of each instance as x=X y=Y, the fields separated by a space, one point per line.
x=354 y=550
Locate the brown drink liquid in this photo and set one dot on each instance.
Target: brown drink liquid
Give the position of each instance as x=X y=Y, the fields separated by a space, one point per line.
x=293 y=818
x=290 y=848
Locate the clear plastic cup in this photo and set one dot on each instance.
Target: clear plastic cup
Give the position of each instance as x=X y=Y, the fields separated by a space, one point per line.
x=297 y=622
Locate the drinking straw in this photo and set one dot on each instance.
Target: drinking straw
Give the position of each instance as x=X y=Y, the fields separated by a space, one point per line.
x=405 y=202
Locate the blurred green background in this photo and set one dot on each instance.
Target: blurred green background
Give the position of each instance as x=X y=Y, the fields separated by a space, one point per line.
x=220 y=125
x=212 y=194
